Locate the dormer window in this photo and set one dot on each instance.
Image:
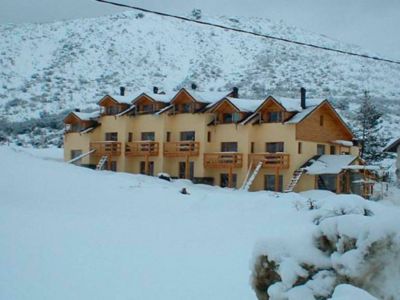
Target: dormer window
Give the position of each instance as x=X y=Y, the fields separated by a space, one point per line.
x=274 y=117
x=230 y=117
x=186 y=108
x=111 y=110
x=147 y=108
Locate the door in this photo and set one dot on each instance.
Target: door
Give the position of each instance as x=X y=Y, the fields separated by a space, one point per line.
x=182 y=170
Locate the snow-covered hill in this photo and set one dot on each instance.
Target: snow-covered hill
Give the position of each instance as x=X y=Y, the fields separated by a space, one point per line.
x=74 y=233
x=46 y=68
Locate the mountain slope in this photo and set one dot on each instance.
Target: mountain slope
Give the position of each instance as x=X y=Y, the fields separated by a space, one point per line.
x=62 y=65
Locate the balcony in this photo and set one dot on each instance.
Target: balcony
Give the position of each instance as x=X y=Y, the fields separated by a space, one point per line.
x=143 y=148
x=222 y=160
x=184 y=148
x=271 y=160
x=110 y=148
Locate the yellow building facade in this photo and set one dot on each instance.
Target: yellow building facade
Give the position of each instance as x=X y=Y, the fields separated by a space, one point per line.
x=216 y=138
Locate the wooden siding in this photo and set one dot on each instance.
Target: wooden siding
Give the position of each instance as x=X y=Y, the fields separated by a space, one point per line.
x=184 y=148
x=332 y=129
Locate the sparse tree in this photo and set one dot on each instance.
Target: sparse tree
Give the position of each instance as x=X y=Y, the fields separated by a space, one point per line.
x=368 y=125
x=196 y=13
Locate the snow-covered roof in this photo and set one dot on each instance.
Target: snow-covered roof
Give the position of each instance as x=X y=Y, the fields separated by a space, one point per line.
x=343 y=143
x=362 y=167
x=87 y=116
x=329 y=164
x=392 y=145
x=209 y=97
x=126 y=111
x=164 y=109
x=294 y=104
x=123 y=99
x=165 y=98
x=300 y=116
x=245 y=105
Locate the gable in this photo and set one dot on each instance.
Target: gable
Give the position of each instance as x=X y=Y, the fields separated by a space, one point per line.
x=108 y=101
x=224 y=106
x=143 y=100
x=182 y=97
x=332 y=128
x=71 y=118
x=270 y=104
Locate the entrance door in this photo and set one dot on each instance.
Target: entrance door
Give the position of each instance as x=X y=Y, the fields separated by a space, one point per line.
x=182 y=170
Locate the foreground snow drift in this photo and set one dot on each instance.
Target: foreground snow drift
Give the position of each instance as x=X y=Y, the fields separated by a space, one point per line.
x=74 y=233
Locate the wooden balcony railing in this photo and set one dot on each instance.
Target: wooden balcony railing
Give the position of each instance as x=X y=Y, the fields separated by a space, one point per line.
x=271 y=160
x=219 y=160
x=143 y=148
x=106 y=148
x=184 y=148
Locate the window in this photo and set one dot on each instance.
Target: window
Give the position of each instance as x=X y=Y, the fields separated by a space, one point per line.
x=111 y=136
x=75 y=127
x=146 y=108
x=332 y=150
x=113 y=166
x=150 y=168
x=229 y=147
x=187 y=136
x=320 y=149
x=227 y=118
x=209 y=136
x=270 y=183
x=274 y=147
x=130 y=137
x=168 y=138
x=299 y=147
x=148 y=136
x=274 y=116
x=321 y=120
x=252 y=147
x=224 y=180
x=186 y=107
x=230 y=117
x=327 y=182
x=74 y=154
x=182 y=170
x=111 y=110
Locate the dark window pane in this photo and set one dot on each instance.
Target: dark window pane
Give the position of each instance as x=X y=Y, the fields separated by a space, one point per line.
x=187 y=136
x=111 y=136
x=229 y=147
x=148 y=136
x=274 y=147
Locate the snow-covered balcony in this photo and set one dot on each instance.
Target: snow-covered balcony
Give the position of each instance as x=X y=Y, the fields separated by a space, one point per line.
x=183 y=148
x=106 y=148
x=142 y=148
x=271 y=160
x=220 y=160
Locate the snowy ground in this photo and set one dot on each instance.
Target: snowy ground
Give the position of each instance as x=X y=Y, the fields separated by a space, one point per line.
x=72 y=233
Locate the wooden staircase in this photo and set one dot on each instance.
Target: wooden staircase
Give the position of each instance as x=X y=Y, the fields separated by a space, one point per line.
x=102 y=162
x=250 y=178
x=295 y=179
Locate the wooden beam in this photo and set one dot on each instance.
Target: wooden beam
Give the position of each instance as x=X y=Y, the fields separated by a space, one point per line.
x=187 y=169
x=230 y=181
x=146 y=165
x=277 y=179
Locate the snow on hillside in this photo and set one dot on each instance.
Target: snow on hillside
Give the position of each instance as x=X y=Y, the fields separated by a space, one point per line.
x=46 y=68
x=74 y=233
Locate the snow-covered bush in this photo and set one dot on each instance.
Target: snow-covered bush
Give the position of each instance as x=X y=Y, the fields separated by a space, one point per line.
x=356 y=243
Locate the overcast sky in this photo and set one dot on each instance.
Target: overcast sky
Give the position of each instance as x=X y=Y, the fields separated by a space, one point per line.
x=373 y=24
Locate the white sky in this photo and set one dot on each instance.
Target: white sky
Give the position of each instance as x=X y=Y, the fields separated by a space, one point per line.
x=372 y=24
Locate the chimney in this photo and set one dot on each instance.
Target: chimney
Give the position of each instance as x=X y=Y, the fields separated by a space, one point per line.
x=303 y=98
x=235 y=92
x=77 y=110
x=122 y=91
x=155 y=90
x=194 y=86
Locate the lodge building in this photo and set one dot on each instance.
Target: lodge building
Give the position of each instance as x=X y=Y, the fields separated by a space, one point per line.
x=217 y=138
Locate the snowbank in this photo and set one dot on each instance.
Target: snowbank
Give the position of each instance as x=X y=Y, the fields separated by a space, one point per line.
x=74 y=233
